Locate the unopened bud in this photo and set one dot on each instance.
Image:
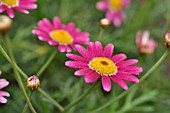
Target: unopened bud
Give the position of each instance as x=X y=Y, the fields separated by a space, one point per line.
x=33 y=82
x=104 y=22
x=167 y=39
x=5 y=23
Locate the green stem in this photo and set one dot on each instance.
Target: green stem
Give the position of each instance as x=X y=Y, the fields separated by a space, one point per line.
x=51 y=99
x=19 y=80
x=46 y=64
x=10 y=61
x=26 y=105
x=80 y=98
x=100 y=34
x=161 y=59
x=26 y=77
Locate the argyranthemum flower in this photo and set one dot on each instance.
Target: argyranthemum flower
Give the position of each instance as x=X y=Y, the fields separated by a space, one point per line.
x=114 y=10
x=57 y=34
x=19 y=5
x=97 y=62
x=145 y=45
x=3 y=94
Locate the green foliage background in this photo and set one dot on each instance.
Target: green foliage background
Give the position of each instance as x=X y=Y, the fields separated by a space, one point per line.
x=151 y=96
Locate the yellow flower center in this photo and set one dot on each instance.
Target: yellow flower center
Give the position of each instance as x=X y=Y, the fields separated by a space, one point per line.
x=10 y=3
x=61 y=36
x=103 y=66
x=116 y=4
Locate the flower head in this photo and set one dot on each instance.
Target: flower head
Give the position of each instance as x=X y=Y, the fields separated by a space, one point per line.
x=33 y=82
x=167 y=39
x=3 y=94
x=65 y=36
x=114 y=10
x=145 y=45
x=96 y=62
x=5 y=23
x=19 y=5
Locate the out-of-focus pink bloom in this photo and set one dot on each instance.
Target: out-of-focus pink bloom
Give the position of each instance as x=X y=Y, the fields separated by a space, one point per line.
x=3 y=94
x=167 y=39
x=57 y=34
x=19 y=5
x=114 y=10
x=145 y=45
x=96 y=62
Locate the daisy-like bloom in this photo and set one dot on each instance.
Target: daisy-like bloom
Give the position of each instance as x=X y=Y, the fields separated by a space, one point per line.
x=114 y=10
x=96 y=62
x=3 y=94
x=167 y=39
x=145 y=45
x=57 y=34
x=19 y=5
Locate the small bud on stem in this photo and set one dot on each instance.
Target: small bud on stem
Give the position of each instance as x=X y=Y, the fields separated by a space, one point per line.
x=33 y=82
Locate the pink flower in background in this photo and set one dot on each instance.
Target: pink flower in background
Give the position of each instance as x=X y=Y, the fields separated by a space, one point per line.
x=145 y=45
x=3 y=94
x=96 y=62
x=57 y=34
x=114 y=10
x=19 y=5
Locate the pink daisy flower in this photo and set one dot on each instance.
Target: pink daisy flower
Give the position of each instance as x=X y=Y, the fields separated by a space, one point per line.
x=19 y=5
x=3 y=94
x=96 y=62
x=145 y=45
x=57 y=34
x=114 y=10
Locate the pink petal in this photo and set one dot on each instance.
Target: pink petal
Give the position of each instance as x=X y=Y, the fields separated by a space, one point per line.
x=75 y=64
x=3 y=83
x=68 y=49
x=91 y=77
x=108 y=50
x=102 y=5
x=10 y=12
x=3 y=100
x=56 y=22
x=120 y=82
x=77 y=58
x=29 y=6
x=21 y=10
x=83 y=71
x=131 y=69
x=119 y=57
x=127 y=62
x=43 y=38
x=127 y=77
x=95 y=48
x=70 y=27
x=106 y=83
x=81 y=38
x=47 y=23
x=2 y=8
x=83 y=51
x=3 y=93
x=62 y=48
x=52 y=43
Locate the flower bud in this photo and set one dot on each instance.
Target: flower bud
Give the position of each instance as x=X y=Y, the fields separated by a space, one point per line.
x=104 y=22
x=167 y=39
x=5 y=23
x=145 y=44
x=33 y=82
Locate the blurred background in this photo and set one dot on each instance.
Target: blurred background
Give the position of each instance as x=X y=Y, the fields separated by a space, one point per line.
x=151 y=96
